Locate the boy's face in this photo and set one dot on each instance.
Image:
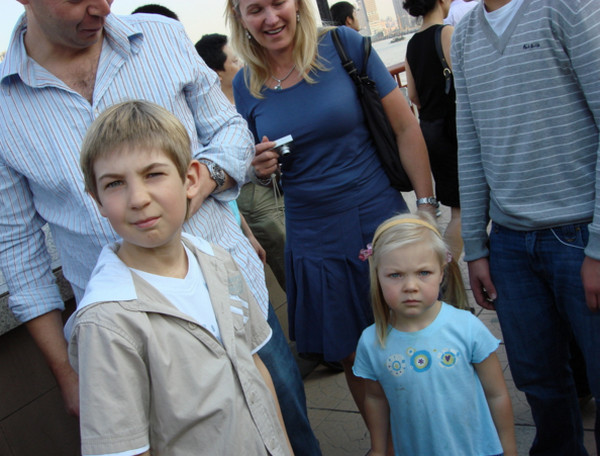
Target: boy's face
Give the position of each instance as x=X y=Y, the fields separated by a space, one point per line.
x=143 y=196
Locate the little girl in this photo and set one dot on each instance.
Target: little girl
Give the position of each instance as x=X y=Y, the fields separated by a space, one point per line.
x=431 y=368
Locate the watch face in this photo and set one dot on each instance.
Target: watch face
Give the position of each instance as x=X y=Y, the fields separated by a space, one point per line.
x=218 y=174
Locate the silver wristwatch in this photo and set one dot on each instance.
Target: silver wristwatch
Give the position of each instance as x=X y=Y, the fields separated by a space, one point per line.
x=216 y=172
x=429 y=200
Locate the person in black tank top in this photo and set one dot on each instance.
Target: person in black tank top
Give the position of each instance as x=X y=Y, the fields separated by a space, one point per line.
x=437 y=112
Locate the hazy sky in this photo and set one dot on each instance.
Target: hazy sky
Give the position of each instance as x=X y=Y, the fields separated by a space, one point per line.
x=198 y=16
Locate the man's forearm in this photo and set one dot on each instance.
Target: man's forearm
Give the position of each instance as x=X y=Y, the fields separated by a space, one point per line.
x=47 y=332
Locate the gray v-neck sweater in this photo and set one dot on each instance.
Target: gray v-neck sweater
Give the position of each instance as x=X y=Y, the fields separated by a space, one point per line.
x=528 y=111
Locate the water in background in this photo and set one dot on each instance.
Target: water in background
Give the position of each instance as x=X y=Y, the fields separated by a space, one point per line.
x=392 y=53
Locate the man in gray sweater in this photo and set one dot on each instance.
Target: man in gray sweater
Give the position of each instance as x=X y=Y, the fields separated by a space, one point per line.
x=527 y=75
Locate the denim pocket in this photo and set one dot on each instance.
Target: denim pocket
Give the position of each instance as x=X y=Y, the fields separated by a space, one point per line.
x=575 y=236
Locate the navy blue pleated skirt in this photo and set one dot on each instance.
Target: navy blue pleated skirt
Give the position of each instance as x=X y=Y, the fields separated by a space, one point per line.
x=327 y=285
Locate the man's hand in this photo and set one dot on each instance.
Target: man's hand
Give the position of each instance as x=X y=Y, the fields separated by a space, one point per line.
x=69 y=389
x=47 y=332
x=481 y=283
x=590 y=276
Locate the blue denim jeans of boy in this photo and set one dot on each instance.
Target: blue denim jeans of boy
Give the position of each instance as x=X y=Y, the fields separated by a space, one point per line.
x=540 y=305
x=287 y=380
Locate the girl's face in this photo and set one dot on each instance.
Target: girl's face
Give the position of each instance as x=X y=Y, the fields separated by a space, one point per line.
x=272 y=23
x=410 y=279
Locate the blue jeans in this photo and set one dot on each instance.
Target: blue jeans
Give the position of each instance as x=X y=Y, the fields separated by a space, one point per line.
x=540 y=306
x=284 y=371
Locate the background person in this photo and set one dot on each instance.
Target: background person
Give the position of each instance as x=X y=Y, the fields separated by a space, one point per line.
x=458 y=9
x=437 y=111
x=529 y=161
x=344 y=13
x=336 y=191
x=153 y=8
x=260 y=205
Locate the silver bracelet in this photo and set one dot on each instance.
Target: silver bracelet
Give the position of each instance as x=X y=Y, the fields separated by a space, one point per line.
x=263 y=181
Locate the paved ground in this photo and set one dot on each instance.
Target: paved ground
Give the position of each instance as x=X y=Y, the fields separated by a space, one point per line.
x=340 y=428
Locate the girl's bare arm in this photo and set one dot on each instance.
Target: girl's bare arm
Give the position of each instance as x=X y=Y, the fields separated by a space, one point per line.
x=498 y=399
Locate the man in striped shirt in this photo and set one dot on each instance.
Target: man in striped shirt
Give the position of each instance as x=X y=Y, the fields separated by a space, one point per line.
x=66 y=63
x=527 y=75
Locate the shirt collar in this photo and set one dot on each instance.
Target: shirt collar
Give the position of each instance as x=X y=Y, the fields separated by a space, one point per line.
x=111 y=279
x=124 y=38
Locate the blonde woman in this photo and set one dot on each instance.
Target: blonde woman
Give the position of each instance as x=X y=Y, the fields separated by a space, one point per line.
x=336 y=192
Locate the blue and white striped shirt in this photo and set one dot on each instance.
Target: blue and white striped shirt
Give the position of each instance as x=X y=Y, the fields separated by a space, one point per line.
x=43 y=122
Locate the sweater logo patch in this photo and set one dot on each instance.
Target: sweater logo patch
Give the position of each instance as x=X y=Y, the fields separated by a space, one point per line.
x=532 y=45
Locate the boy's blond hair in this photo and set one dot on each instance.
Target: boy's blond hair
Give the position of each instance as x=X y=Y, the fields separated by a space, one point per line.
x=135 y=123
x=400 y=231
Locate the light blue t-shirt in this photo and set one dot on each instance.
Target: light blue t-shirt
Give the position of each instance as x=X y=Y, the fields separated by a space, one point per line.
x=437 y=403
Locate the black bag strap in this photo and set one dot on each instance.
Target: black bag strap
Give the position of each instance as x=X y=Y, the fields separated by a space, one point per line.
x=367 y=53
x=440 y=52
x=347 y=62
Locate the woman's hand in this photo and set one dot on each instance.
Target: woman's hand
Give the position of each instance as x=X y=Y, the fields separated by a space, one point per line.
x=265 y=160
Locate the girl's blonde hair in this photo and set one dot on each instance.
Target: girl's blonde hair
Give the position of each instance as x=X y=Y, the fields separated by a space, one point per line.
x=400 y=231
x=256 y=71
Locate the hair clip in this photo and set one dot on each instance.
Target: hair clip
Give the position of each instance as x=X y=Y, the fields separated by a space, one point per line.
x=448 y=257
x=364 y=254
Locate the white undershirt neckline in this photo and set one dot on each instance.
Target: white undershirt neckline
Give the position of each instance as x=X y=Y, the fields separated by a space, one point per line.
x=500 y=19
x=189 y=295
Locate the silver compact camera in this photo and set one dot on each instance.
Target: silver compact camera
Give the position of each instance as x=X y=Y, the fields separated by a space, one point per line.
x=283 y=146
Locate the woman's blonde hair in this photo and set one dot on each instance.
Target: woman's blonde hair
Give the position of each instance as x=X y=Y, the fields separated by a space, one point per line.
x=256 y=71
x=400 y=231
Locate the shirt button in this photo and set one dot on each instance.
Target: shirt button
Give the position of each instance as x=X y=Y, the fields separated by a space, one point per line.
x=191 y=325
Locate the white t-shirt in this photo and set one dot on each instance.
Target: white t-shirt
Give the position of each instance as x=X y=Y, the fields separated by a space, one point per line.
x=501 y=18
x=189 y=295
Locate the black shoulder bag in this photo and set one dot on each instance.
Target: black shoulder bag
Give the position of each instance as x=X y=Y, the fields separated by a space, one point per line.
x=440 y=52
x=382 y=133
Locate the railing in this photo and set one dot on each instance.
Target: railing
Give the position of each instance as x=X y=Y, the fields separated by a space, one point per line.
x=396 y=70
